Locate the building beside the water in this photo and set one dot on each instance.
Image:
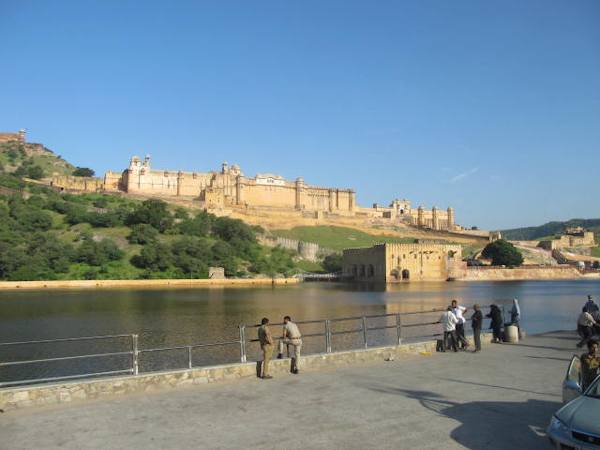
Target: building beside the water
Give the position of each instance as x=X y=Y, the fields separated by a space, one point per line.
x=391 y=262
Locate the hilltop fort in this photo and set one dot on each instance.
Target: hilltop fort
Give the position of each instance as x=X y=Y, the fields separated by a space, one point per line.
x=268 y=193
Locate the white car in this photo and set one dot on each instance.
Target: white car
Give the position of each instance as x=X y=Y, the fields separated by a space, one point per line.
x=576 y=426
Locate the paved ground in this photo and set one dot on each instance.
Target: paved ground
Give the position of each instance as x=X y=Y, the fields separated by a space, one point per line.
x=501 y=398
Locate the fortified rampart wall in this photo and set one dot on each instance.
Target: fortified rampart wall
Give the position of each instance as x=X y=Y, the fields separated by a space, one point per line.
x=12 y=137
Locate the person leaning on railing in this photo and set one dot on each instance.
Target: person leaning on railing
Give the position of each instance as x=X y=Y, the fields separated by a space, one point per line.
x=291 y=337
x=266 y=345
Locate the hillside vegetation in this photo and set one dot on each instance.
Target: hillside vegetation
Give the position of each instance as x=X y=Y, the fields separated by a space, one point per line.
x=550 y=229
x=45 y=235
x=24 y=159
x=337 y=238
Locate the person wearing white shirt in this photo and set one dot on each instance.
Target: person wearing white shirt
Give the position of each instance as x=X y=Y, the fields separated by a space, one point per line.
x=449 y=321
x=291 y=338
x=459 y=311
x=585 y=327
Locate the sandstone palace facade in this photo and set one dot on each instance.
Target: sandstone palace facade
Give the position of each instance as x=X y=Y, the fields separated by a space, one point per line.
x=230 y=188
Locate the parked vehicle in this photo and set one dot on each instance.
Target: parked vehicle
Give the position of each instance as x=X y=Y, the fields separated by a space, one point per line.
x=576 y=426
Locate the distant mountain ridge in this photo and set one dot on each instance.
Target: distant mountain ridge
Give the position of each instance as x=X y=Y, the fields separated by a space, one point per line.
x=550 y=229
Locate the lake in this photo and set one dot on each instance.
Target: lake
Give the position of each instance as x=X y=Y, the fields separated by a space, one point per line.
x=168 y=317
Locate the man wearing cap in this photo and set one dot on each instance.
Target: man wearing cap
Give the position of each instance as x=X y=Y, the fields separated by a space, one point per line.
x=293 y=338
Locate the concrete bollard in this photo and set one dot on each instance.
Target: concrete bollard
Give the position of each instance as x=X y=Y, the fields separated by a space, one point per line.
x=512 y=334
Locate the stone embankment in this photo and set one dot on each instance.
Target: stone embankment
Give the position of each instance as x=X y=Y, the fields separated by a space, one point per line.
x=488 y=273
x=22 y=397
x=174 y=283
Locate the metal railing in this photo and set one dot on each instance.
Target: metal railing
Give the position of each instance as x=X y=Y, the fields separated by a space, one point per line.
x=327 y=327
x=133 y=353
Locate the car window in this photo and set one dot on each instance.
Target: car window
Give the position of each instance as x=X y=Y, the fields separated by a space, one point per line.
x=594 y=389
x=574 y=371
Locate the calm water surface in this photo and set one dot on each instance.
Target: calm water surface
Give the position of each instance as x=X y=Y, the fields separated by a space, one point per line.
x=164 y=317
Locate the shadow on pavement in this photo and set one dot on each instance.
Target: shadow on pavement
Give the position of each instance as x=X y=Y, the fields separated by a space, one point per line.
x=549 y=357
x=489 y=425
x=508 y=388
x=546 y=347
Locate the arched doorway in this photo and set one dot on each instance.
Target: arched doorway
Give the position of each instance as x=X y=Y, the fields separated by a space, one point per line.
x=370 y=271
x=405 y=274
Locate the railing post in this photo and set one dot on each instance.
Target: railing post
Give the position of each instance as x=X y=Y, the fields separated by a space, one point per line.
x=190 y=357
x=399 y=328
x=364 y=330
x=242 y=343
x=327 y=336
x=134 y=354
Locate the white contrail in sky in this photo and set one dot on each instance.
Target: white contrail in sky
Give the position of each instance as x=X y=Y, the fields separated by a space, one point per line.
x=463 y=175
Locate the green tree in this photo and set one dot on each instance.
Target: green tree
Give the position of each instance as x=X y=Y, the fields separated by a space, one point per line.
x=277 y=261
x=30 y=218
x=502 y=253
x=83 y=172
x=154 y=256
x=181 y=213
x=142 y=233
x=151 y=212
x=200 y=225
x=35 y=172
x=228 y=229
x=223 y=255
x=333 y=262
x=98 y=253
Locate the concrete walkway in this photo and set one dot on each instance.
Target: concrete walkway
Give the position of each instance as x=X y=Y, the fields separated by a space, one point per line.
x=498 y=399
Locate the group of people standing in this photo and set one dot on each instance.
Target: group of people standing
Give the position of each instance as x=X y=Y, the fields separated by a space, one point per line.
x=453 y=322
x=588 y=322
x=291 y=338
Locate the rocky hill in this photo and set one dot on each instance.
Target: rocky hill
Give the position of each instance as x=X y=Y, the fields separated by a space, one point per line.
x=21 y=158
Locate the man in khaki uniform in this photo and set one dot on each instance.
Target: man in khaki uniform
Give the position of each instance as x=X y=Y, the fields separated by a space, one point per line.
x=291 y=337
x=266 y=345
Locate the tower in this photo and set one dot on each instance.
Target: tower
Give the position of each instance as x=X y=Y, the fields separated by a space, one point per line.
x=299 y=190
x=450 y=218
x=435 y=223
x=420 y=218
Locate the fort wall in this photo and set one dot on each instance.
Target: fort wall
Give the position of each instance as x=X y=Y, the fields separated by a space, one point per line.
x=13 y=137
x=228 y=189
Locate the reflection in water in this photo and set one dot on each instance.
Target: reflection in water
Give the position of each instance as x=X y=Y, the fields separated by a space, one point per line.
x=164 y=317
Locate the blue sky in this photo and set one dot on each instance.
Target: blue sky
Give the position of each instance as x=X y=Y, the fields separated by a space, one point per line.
x=492 y=107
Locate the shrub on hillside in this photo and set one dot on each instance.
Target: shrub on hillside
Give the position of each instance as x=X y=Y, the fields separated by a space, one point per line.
x=142 y=233
x=154 y=256
x=98 y=253
x=83 y=172
x=200 y=225
x=35 y=172
x=29 y=217
x=151 y=212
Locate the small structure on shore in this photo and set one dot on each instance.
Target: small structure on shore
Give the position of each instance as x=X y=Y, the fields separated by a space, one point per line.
x=393 y=262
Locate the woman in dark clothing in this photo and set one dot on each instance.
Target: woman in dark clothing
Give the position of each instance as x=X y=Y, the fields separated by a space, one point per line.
x=496 y=325
x=476 y=322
